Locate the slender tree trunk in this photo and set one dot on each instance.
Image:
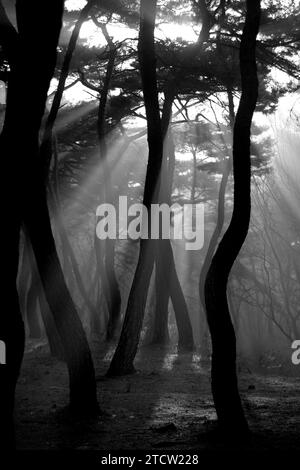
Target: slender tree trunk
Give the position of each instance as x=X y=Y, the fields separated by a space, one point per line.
x=122 y=362
x=227 y=166
x=23 y=277
x=213 y=243
x=106 y=249
x=224 y=378
x=194 y=181
x=167 y=284
x=30 y=293
x=183 y=322
x=32 y=315
x=54 y=341
x=55 y=344
x=160 y=335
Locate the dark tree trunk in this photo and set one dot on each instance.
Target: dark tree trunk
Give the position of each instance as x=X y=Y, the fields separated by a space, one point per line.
x=160 y=334
x=160 y=330
x=122 y=362
x=184 y=326
x=25 y=123
x=30 y=302
x=32 y=315
x=69 y=327
x=55 y=344
x=183 y=322
x=167 y=284
x=224 y=378
x=23 y=277
x=19 y=136
x=11 y=323
x=54 y=341
x=213 y=243
x=113 y=294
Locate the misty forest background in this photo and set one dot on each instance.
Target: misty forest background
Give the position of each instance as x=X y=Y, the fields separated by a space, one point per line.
x=143 y=344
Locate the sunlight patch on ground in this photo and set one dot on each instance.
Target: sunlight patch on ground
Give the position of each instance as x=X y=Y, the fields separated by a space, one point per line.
x=196 y=364
x=174 y=408
x=169 y=361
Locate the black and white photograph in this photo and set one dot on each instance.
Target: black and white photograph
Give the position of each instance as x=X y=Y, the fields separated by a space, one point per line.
x=150 y=222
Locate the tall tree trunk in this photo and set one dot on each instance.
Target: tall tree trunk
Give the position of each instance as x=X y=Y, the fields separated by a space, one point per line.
x=224 y=378
x=11 y=324
x=167 y=284
x=26 y=122
x=23 y=123
x=122 y=362
x=213 y=243
x=160 y=334
x=183 y=322
x=106 y=249
x=12 y=334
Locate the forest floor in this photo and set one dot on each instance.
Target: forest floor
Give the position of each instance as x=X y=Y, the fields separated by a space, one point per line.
x=166 y=405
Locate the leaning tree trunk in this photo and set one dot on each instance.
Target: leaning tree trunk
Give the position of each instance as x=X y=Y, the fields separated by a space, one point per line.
x=55 y=344
x=224 y=378
x=32 y=315
x=26 y=124
x=19 y=136
x=122 y=362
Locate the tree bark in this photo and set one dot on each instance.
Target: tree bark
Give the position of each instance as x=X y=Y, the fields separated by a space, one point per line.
x=55 y=344
x=122 y=362
x=32 y=310
x=25 y=122
x=167 y=284
x=224 y=378
x=160 y=334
